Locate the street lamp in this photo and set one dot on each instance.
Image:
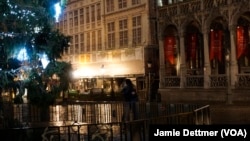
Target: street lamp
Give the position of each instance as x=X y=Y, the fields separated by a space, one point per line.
x=149 y=64
x=229 y=90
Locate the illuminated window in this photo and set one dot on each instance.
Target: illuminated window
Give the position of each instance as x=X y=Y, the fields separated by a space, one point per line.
x=81 y=16
x=122 y=4
x=82 y=43
x=111 y=35
x=136 y=30
x=65 y=24
x=136 y=2
x=88 y=42
x=70 y=22
x=87 y=15
x=123 y=27
x=99 y=40
x=242 y=47
x=98 y=9
x=93 y=13
x=93 y=41
x=76 y=18
x=110 y=5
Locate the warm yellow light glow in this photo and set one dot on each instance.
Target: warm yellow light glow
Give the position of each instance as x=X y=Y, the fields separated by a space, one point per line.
x=109 y=70
x=84 y=72
x=178 y=66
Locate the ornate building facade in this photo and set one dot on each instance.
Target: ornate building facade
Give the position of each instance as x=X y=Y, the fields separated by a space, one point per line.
x=204 y=50
x=111 y=40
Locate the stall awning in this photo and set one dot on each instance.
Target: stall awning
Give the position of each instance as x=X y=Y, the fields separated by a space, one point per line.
x=109 y=69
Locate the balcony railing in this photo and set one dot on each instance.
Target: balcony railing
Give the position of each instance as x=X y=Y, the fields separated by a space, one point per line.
x=243 y=81
x=172 y=81
x=218 y=81
x=194 y=81
x=215 y=81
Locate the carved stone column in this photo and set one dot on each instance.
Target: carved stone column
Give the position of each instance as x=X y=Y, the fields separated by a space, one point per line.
x=207 y=67
x=233 y=60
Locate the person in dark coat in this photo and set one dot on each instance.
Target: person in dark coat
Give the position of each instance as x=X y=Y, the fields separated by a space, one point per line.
x=130 y=97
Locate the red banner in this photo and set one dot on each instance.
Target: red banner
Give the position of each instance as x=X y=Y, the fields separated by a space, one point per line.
x=192 y=46
x=169 y=44
x=215 y=45
x=242 y=41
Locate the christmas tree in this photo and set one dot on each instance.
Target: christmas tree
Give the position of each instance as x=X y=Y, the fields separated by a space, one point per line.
x=29 y=49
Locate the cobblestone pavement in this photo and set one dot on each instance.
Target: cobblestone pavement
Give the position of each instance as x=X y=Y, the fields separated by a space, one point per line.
x=235 y=113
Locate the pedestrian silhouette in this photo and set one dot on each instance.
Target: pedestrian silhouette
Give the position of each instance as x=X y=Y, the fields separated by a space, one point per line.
x=131 y=97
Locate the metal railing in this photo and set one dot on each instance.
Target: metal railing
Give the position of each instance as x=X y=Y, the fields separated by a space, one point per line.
x=134 y=130
x=202 y=115
x=18 y=115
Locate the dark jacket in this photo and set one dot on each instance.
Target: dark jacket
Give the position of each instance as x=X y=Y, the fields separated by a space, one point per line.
x=129 y=93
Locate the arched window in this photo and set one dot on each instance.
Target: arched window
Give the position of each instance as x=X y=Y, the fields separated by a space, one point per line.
x=217 y=51
x=194 y=50
x=243 y=48
x=170 y=53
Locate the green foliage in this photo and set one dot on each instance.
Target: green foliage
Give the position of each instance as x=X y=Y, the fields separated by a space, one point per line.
x=63 y=70
x=4 y=79
x=18 y=20
x=37 y=84
x=53 y=43
x=21 y=17
x=35 y=88
x=40 y=98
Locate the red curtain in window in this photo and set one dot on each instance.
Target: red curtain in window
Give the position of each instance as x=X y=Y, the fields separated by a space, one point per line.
x=192 y=46
x=242 y=41
x=169 y=44
x=215 y=44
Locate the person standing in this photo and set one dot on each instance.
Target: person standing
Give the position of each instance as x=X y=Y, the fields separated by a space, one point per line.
x=131 y=97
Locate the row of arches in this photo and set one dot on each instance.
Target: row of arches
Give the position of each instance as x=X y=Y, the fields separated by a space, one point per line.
x=193 y=47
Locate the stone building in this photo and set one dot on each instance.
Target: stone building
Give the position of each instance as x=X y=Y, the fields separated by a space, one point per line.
x=204 y=50
x=111 y=40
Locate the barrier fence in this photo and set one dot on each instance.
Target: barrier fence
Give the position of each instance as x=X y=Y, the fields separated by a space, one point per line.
x=91 y=112
x=97 y=121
